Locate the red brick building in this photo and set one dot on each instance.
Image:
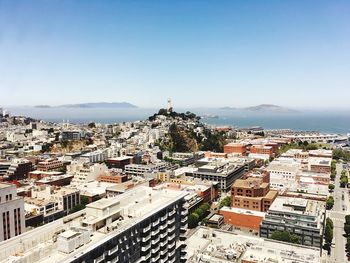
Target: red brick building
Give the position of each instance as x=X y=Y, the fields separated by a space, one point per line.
x=242 y=219
x=252 y=194
x=235 y=148
x=262 y=149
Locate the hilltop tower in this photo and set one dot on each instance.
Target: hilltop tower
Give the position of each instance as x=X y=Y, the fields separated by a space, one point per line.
x=170 y=106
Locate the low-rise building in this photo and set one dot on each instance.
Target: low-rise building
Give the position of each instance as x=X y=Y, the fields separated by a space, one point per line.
x=302 y=217
x=51 y=164
x=238 y=148
x=141 y=169
x=212 y=245
x=252 y=194
x=243 y=219
x=262 y=149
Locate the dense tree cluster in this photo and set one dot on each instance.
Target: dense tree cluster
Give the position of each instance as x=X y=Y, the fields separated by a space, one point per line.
x=198 y=215
x=285 y=236
x=328 y=234
x=333 y=169
x=225 y=202
x=344 y=179
x=170 y=113
x=304 y=145
x=339 y=154
x=347 y=233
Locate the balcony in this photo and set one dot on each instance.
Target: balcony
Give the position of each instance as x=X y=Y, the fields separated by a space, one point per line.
x=155 y=259
x=163 y=235
x=172 y=213
x=145 y=258
x=155 y=232
x=164 y=243
x=172 y=221
x=171 y=229
x=184 y=220
x=171 y=238
x=162 y=227
x=171 y=254
x=145 y=239
x=145 y=248
x=146 y=229
x=155 y=223
x=184 y=212
x=155 y=241
x=155 y=250
x=99 y=259
x=114 y=260
x=171 y=245
x=163 y=218
x=112 y=251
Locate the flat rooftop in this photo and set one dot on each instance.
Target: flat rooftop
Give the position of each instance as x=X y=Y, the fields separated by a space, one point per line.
x=134 y=206
x=209 y=245
x=297 y=206
x=243 y=211
x=3 y=185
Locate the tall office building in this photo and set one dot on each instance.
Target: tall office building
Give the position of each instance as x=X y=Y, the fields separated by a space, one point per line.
x=142 y=225
x=12 y=222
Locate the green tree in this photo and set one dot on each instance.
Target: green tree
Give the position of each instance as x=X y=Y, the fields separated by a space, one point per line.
x=285 y=236
x=193 y=220
x=225 y=202
x=329 y=222
x=92 y=125
x=344 y=181
x=347 y=230
x=347 y=246
x=331 y=186
x=330 y=203
x=328 y=234
x=347 y=219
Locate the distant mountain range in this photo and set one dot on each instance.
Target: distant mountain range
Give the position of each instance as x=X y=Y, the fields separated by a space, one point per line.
x=110 y=105
x=263 y=108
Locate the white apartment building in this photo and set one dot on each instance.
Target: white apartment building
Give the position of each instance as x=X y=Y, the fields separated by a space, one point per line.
x=85 y=172
x=66 y=198
x=142 y=225
x=12 y=222
x=283 y=172
x=96 y=156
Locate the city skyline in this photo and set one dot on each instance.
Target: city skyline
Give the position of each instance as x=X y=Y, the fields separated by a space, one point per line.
x=200 y=54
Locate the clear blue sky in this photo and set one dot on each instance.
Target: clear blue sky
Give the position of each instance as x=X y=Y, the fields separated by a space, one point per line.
x=199 y=53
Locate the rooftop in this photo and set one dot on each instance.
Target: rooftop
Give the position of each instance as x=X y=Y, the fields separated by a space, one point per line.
x=297 y=206
x=133 y=207
x=208 y=245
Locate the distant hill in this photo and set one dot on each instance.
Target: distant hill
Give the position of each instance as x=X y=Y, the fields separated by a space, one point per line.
x=110 y=105
x=262 y=108
x=268 y=108
x=42 y=106
x=228 y=108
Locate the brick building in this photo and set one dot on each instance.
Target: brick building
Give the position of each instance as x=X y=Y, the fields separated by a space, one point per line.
x=252 y=194
x=242 y=219
x=262 y=149
x=235 y=148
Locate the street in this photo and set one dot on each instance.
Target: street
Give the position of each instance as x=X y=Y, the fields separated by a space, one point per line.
x=338 y=216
